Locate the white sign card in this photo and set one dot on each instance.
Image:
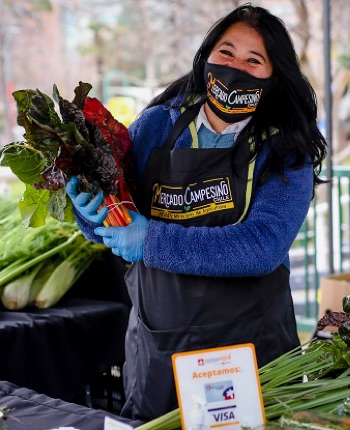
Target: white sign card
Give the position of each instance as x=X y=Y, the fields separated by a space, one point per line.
x=111 y=424
x=219 y=388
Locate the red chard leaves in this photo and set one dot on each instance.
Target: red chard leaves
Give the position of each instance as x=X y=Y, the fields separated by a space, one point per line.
x=82 y=139
x=81 y=92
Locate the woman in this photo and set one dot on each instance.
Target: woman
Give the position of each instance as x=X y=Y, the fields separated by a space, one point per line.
x=223 y=194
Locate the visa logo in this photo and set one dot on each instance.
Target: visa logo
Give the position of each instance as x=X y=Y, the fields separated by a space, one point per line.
x=223 y=416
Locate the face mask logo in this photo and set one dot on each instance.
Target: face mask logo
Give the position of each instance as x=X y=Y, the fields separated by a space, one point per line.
x=233 y=95
x=237 y=101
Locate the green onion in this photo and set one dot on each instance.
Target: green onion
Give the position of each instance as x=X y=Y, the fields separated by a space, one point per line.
x=285 y=386
x=169 y=421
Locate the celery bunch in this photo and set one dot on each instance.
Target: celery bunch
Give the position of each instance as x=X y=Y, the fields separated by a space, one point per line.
x=39 y=265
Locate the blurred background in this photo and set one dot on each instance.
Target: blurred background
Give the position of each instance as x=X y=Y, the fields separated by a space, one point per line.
x=130 y=49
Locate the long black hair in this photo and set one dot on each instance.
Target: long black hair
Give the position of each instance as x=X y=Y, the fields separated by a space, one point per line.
x=291 y=107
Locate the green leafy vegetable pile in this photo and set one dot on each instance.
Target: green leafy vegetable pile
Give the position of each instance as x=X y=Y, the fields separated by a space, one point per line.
x=82 y=139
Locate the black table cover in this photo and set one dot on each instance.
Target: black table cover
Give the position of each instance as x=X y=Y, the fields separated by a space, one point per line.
x=57 y=351
x=33 y=411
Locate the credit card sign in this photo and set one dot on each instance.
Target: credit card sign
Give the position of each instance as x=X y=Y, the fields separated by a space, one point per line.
x=218 y=391
x=219 y=387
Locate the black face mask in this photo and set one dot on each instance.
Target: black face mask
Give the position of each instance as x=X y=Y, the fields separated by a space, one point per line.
x=233 y=95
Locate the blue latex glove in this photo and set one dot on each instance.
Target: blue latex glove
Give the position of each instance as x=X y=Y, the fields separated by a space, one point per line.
x=127 y=242
x=86 y=205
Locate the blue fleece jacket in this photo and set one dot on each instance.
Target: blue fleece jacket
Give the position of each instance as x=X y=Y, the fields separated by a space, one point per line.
x=254 y=247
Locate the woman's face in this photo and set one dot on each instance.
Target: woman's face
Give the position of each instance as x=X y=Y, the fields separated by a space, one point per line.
x=242 y=47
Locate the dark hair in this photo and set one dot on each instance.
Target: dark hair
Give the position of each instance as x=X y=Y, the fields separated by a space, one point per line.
x=291 y=106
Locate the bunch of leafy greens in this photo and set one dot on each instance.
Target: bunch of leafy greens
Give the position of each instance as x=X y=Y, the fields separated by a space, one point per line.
x=82 y=140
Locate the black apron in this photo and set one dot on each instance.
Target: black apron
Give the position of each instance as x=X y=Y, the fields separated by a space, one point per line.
x=174 y=312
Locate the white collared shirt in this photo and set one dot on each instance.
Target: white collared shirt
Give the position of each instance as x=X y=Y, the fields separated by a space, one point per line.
x=234 y=128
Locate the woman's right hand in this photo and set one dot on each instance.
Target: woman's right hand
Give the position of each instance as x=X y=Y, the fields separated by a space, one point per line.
x=85 y=203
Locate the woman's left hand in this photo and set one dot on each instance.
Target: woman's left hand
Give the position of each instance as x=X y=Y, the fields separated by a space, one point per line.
x=126 y=242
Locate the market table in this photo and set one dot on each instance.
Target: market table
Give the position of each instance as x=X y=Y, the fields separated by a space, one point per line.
x=33 y=411
x=59 y=350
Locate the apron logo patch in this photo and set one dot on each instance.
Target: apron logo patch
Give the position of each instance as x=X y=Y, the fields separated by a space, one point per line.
x=192 y=200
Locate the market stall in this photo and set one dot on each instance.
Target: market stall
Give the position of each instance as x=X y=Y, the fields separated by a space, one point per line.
x=58 y=351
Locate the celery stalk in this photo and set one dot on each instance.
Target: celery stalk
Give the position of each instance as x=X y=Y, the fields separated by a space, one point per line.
x=40 y=280
x=61 y=279
x=66 y=274
x=15 y=295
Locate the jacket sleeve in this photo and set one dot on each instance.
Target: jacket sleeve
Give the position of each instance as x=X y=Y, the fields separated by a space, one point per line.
x=87 y=228
x=254 y=247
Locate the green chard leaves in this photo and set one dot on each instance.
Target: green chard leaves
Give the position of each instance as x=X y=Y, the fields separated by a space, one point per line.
x=58 y=146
